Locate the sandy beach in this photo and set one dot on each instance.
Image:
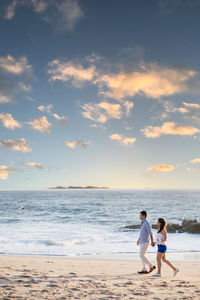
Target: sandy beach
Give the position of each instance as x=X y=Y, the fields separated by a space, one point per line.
x=26 y=277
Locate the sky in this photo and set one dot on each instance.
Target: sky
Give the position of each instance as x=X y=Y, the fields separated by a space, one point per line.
x=103 y=93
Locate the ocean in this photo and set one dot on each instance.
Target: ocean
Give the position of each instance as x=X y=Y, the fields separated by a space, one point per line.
x=84 y=223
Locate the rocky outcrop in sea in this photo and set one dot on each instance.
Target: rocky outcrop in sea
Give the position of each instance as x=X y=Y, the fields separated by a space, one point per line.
x=190 y=226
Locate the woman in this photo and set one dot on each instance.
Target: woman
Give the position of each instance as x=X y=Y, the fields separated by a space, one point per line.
x=161 y=239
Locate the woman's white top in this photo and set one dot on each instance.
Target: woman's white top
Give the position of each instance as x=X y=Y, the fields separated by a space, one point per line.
x=160 y=239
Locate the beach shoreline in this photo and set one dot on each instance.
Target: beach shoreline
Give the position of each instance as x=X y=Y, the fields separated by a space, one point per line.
x=174 y=256
x=47 y=277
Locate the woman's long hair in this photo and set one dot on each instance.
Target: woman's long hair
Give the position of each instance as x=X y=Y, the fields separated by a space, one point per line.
x=162 y=224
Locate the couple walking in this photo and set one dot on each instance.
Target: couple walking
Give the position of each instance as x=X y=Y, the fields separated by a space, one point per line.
x=143 y=242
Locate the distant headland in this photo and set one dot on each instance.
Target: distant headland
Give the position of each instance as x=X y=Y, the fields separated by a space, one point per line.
x=70 y=187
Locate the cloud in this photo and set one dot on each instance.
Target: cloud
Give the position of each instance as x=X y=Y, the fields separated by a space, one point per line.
x=10 y=10
x=103 y=111
x=62 y=119
x=127 y=141
x=70 y=71
x=190 y=111
x=151 y=80
x=192 y=105
x=169 y=128
x=13 y=65
x=128 y=106
x=33 y=165
x=41 y=124
x=161 y=168
x=39 y=6
x=77 y=144
x=5 y=171
x=8 y=121
x=170 y=108
x=193 y=112
x=187 y=108
x=61 y=14
x=17 y=145
x=195 y=161
x=46 y=108
x=100 y=126
x=14 y=74
x=68 y=14
x=4 y=99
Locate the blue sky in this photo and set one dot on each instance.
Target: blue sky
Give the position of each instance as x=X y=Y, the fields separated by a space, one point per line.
x=99 y=93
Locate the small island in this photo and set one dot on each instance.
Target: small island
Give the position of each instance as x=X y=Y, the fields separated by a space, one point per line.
x=60 y=187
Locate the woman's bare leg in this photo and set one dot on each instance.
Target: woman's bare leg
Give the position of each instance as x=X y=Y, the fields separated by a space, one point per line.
x=159 y=257
x=168 y=262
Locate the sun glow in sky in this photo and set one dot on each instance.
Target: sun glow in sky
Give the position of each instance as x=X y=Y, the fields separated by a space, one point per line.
x=100 y=93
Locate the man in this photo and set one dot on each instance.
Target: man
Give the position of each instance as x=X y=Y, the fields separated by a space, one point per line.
x=143 y=241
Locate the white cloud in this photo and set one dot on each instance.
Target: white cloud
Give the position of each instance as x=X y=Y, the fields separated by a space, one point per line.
x=97 y=126
x=41 y=124
x=189 y=110
x=151 y=80
x=77 y=144
x=69 y=13
x=14 y=65
x=70 y=71
x=170 y=108
x=62 y=119
x=161 y=168
x=33 y=165
x=195 y=161
x=10 y=10
x=169 y=128
x=5 y=171
x=39 y=6
x=192 y=105
x=24 y=87
x=128 y=106
x=14 y=74
x=127 y=141
x=8 y=121
x=4 y=99
x=103 y=111
x=46 y=108
x=61 y=14
x=17 y=145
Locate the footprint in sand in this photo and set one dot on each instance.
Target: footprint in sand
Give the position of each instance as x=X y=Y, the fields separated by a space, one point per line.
x=53 y=285
x=72 y=273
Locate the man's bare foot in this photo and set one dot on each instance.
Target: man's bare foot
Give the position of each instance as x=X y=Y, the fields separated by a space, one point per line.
x=152 y=268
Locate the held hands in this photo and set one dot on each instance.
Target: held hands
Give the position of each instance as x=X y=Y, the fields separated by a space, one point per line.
x=153 y=243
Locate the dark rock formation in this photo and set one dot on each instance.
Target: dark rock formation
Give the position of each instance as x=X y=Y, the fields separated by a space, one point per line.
x=59 y=187
x=190 y=226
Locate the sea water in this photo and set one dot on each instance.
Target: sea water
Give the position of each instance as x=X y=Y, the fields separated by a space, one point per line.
x=82 y=223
